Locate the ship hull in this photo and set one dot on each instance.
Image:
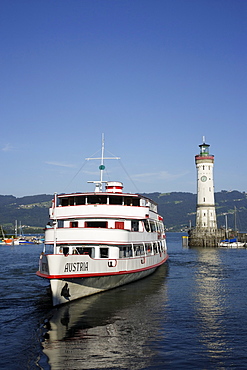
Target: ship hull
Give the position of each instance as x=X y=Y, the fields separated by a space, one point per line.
x=66 y=290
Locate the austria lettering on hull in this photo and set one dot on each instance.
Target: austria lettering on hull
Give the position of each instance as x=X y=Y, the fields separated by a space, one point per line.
x=76 y=266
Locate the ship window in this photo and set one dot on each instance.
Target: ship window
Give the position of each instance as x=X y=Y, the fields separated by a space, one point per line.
x=103 y=224
x=125 y=251
x=60 y=223
x=71 y=201
x=104 y=252
x=138 y=249
x=73 y=224
x=156 y=249
x=122 y=252
x=136 y=202
x=64 y=202
x=86 y=251
x=80 y=200
x=115 y=200
x=49 y=248
x=147 y=226
x=119 y=225
x=161 y=248
x=153 y=226
x=127 y=201
x=96 y=199
x=148 y=248
x=65 y=250
x=134 y=225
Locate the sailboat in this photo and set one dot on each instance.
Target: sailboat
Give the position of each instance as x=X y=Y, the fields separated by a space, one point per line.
x=231 y=242
x=5 y=241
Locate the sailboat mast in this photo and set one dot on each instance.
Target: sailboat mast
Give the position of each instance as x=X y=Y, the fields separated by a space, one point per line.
x=235 y=218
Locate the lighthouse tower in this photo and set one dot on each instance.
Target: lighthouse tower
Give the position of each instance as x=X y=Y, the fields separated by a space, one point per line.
x=205 y=213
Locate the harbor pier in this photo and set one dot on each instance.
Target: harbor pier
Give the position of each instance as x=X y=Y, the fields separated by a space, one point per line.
x=201 y=237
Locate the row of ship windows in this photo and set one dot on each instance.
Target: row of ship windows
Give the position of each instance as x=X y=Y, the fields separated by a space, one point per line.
x=106 y=199
x=123 y=251
x=135 y=225
x=99 y=199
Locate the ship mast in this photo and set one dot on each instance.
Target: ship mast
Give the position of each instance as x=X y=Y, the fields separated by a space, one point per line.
x=99 y=183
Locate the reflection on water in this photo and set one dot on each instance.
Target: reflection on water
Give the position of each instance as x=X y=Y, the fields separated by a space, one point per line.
x=210 y=302
x=108 y=330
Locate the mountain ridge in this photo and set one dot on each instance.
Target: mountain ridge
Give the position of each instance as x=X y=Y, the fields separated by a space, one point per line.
x=177 y=208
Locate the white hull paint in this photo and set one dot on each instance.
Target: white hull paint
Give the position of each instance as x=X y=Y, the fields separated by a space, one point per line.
x=65 y=290
x=231 y=245
x=77 y=276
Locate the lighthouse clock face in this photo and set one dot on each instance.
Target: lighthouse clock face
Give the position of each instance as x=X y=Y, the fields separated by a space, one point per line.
x=204 y=178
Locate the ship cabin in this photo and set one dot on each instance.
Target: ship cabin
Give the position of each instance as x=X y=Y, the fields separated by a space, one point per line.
x=127 y=225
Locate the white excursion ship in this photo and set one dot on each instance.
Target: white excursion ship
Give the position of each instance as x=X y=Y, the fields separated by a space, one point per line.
x=100 y=240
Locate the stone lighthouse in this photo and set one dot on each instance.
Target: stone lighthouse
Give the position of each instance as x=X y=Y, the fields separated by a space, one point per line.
x=205 y=233
x=205 y=214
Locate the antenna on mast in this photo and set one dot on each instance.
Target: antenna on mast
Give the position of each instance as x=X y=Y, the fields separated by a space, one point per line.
x=99 y=183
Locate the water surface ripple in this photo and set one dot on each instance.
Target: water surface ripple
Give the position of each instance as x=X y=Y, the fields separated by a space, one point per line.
x=190 y=314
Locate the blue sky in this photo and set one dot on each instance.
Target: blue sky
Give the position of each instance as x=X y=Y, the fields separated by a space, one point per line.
x=153 y=75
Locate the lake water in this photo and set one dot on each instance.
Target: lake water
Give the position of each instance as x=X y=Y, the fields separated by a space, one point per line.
x=190 y=314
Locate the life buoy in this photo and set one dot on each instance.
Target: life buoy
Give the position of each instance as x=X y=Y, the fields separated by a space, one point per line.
x=112 y=263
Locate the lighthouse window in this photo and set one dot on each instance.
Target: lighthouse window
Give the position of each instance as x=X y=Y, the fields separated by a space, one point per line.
x=203 y=199
x=203 y=167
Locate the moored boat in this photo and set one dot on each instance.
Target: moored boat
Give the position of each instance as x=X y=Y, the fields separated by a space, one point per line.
x=231 y=243
x=100 y=240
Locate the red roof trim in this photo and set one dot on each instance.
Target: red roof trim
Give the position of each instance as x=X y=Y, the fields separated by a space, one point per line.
x=98 y=193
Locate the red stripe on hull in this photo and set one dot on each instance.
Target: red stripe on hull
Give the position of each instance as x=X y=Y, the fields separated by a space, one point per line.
x=72 y=276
